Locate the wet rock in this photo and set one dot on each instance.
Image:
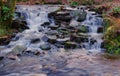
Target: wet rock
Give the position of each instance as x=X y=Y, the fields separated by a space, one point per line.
x=37 y=53
x=79 y=38
x=52 y=39
x=5 y=40
x=82 y=17
x=18 y=24
x=70 y=45
x=49 y=38
x=45 y=38
x=45 y=24
x=82 y=29
x=63 y=40
x=79 y=14
x=18 y=50
x=63 y=30
x=54 y=27
x=51 y=15
x=15 y=38
x=1 y=58
x=63 y=13
x=45 y=46
x=74 y=23
x=51 y=32
x=92 y=41
x=12 y=57
x=100 y=30
x=102 y=45
x=35 y=40
x=63 y=18
x=60 y=16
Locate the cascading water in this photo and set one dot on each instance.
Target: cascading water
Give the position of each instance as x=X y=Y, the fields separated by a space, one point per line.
x=36 y=15
x=93 y=22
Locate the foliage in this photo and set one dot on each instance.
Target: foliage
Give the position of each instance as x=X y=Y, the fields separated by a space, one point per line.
x=6 y=13
x=3 y=32
x=74 y=3
x=112 y=36
x=116 y=10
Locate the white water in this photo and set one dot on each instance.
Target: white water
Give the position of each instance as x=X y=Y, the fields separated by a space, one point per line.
x=93 y=22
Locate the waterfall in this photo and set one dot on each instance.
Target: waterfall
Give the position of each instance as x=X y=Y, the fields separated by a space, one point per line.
x=37 y=15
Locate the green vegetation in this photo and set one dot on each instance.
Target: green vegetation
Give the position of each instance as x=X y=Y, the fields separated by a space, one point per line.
x=6 y=15
x=112 y=36
x=116 y=10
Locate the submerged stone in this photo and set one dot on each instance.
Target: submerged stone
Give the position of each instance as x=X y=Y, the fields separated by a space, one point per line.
x=45 y=46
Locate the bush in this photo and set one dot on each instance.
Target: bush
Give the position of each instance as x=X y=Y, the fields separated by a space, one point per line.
x=112 y=36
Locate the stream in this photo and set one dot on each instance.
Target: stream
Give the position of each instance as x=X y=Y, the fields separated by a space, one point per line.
x=61 y=43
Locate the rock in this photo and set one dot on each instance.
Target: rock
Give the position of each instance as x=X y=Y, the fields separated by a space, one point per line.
x=12 y=57
x=100 y=30
x=60 y=16
x=74 y=23
x=63 y=18
x=52 y=38
x=45 y=24
x=63 y=13
x=79 y=14
x=45 y=38
x=70 y=45
x=51 y=14
x=18 y=24
x=78 y=38
x=82 y=29
x=63 y=30
x=54 y=27
x=51 y=32
x=1 y=58
x=35 y=40
x=18 y=50
x=45 y=46
x=5 y=40
x=102 y=45
x=49 y=38
x=63 y=40
x=92 y=41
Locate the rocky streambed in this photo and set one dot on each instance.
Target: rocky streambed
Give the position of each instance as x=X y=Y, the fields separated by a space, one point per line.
x=61 y=40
